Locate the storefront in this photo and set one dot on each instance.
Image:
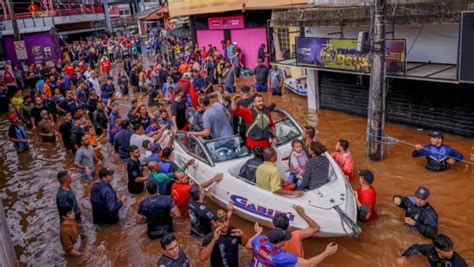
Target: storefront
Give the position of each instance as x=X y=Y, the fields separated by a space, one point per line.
x=38 y=46
x=247 y=30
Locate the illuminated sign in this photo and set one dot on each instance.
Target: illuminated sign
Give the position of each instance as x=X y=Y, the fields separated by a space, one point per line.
x=247 y=205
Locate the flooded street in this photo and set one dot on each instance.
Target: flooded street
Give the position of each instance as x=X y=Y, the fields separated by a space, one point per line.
x=28 y=188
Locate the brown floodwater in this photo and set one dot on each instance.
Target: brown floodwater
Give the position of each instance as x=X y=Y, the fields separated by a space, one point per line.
x=28 y=187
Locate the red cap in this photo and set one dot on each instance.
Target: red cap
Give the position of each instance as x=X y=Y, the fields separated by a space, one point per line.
x=12 y=116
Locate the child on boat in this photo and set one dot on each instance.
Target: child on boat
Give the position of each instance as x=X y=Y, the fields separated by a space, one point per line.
x=297 y=162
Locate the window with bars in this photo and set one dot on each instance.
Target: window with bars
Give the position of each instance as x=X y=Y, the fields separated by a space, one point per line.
x=284 y=40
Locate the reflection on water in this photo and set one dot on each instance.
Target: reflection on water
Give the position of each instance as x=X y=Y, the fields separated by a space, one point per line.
x=28 y=186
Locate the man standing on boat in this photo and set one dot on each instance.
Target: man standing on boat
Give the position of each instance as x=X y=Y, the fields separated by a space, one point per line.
x=438 y=155
x=260 y=124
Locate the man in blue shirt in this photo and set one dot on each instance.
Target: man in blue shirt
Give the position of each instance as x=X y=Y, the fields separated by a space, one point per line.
x=157 y=211
x=215 y=120
x=438 y=155
x=105 y=205
x=267 y=250
x=107 y=88
x=122 y=141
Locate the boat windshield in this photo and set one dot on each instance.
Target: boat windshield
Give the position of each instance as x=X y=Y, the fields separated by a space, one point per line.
x=286 y=131
x=227 y=148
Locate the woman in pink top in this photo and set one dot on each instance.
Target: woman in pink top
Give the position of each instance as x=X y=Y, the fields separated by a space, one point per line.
x=344 y=158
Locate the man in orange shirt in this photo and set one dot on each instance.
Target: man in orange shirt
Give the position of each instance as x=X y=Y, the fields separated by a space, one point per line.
x=180 y=190
x=183 y=67
x=47 y=88
x=295 y=245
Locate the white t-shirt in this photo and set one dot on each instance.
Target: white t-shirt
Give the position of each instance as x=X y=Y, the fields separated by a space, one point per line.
x=137 y=140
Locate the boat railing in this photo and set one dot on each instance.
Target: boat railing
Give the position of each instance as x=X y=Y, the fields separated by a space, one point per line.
x=7 y=250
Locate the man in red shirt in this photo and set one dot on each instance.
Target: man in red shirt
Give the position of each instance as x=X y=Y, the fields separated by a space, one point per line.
x=33 y=8
x=260 y=126
x=105 y=66
x=365 y=196
x=69 y=70
x=343 y=158
x=180 y=190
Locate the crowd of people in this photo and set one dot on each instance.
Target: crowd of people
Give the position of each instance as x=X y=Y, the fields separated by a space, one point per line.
x=79 y=101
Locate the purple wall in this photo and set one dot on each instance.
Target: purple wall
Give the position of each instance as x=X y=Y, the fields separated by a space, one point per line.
x=41 y=47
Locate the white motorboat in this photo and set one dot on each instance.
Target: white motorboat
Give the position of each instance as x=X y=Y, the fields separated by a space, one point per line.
x=297 y=85
x=332 y=206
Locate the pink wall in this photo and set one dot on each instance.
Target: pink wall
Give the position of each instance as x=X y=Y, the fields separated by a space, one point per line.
x=249 y=40
x=213 y=37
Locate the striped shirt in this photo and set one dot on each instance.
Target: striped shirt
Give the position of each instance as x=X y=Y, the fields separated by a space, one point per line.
x=316 y=173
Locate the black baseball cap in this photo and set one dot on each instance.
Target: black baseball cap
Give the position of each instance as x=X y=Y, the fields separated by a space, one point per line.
x=167 y=152
x=281 y=220
x=422 y=192
x=277 y=235
x=367 y=175
x=436 y=134
x=104 y=172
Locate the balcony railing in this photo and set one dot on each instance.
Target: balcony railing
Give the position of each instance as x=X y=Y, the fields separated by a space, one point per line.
x=57 y=13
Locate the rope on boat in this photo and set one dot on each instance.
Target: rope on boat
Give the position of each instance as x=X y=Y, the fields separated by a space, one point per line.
x=355 y=229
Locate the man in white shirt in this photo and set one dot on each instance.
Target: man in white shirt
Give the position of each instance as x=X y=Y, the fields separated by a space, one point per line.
x=139 y=136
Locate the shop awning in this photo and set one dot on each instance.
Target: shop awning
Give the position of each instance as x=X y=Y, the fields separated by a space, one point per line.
x=195 y=7
x=153 y=13
x=433 y=72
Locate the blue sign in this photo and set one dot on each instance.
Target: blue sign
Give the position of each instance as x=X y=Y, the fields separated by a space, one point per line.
x=246 y=205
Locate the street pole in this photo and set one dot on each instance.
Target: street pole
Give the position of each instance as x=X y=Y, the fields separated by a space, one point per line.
x=376 y=112
x=108 y=22
x=11 y=10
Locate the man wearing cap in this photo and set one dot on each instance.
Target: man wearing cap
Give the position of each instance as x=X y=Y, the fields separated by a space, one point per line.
x=295 y=245
x=222 y=245
x=438 y=155
x=46 y=128
x=365 y=196
x=105 y=205
x=157 y=211
x=418 y=212
x=439 y=253
x=267 y=250
x=17 y=133
x=261 y=73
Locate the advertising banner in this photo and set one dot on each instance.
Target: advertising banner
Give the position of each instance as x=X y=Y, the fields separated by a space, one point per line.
x=20 y=49
x=342 y=54
x=222 y=23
